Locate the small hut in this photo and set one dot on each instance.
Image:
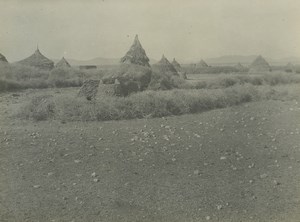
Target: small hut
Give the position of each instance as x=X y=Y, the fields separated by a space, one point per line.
x=260 y=65
x=176 y=65
x=239 y=66
x=63 y=63
x=38 y=60
x=3 y=59
x=136 y=54
x=164 y=67
x=289 y=67
x=178 y=68
x=202 y=64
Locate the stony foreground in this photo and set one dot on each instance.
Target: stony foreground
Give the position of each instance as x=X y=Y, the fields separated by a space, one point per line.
x=235 y=164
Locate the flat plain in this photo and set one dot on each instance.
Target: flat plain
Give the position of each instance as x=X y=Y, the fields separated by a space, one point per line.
x=239 y=163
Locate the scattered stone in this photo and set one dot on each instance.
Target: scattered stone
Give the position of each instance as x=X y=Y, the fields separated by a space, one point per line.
x=36 y=186
x=166 y=137
x=262 y=176
x=251 y=166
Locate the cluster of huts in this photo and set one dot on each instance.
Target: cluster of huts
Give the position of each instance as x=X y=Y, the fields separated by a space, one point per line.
x=137 y=55
x=38 y=60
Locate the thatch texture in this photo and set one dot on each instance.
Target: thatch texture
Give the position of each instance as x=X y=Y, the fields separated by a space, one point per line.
x=63 y=63
x=129 y=72
x=260 y=65
x=38 y=60
x=164 y=67
x=176 y=65
x=3 y=59
x=202 y=64
x=136 y=54
x=239 y=66
x=289 y=67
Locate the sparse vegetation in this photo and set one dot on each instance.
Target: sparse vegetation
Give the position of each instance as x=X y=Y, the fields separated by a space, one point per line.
x=225 y=81
x=145 y=104
x=193 y=69
x=17 y=77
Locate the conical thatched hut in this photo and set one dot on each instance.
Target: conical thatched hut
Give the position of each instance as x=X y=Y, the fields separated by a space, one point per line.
x=289 y=67
x=3 y=59
x=179 y=70
x=260 y=65
x=239 y=66
x=164 y=67
x=38 y=60
x=136 y=54
x=202 y=64
x=176 y=65
x=63 y=63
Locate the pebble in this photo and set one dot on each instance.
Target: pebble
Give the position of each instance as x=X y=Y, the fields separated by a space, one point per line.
x=262 y=176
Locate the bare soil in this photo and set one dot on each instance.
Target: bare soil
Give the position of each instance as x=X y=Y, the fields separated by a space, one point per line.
x=240 y=163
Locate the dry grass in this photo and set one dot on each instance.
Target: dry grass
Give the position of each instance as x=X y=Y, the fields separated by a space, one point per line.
x=17 y=77
x=148 y=104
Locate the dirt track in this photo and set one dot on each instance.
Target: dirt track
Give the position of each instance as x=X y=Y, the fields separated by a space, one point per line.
x=235 y=164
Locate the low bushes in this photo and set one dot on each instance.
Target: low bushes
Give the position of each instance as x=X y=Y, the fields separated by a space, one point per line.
x=144 y=104
x=18 y=77
x=226 y=81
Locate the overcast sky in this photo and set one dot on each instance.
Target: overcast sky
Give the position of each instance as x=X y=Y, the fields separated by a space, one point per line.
x=185 y=29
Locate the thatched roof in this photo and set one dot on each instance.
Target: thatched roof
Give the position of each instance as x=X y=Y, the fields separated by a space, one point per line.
x=3 y=59
x=38 y=60
x=202 y=63
x=176 y=65
x=260 y=65
x=136 y=54
x=63 y=63
x=164 y=67
x=239 y=66
x=289 y=67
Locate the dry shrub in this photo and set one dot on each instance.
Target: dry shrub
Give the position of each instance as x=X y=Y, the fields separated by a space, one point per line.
x=146 y=104
x=39 y=108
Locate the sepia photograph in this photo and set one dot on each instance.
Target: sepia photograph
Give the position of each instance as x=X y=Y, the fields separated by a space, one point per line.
x=149 y=111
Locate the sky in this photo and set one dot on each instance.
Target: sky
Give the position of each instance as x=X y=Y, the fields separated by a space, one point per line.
x=185 y=29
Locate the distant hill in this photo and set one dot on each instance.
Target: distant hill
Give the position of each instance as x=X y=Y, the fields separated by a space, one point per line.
x=231 y=60
x=247 y=60
x=227 y=60
x=99 y=61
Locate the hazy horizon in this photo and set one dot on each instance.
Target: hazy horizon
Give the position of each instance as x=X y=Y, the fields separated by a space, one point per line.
x=187 y=30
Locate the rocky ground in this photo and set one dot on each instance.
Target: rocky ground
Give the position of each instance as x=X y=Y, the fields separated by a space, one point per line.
x=234 y=164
